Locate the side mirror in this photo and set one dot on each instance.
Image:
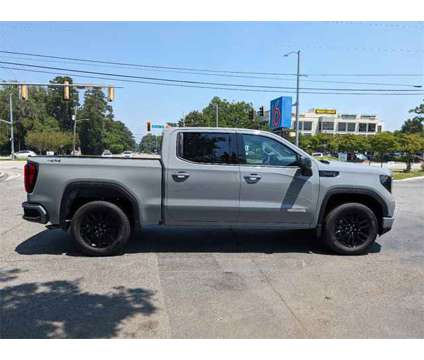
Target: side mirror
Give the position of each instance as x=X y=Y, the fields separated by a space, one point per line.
x=305 y=164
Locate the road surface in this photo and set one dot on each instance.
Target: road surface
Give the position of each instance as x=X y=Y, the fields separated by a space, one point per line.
x=180 y=283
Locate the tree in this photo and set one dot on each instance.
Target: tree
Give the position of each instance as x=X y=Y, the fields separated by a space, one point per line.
x=57 y=141
x=415 y=125
x=194 y=118
x=344 y=143
x=27 y=114
x=62 y=110
x=383 y=143
x=150 y=143
x=4 y=138
x=230 y=114
x=350 y=143
x=410 y=144
x=117 y=137
x=96 y=110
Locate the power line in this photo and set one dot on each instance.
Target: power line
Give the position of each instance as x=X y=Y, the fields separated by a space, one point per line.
x=407 y=25
x=361 y=83
x=367 y=49
x=366 y=75
x=143 y=65
x=149 y=69
x=184 y=69
x=220 y=75
x=192 y=82
x=211 y=87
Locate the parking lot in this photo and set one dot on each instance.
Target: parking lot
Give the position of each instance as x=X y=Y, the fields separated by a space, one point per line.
x=232 y=283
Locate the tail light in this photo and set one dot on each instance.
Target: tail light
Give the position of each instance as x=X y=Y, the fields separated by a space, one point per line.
x=30 y=176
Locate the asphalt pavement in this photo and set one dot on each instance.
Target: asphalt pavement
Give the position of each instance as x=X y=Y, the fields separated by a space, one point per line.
x=182 y=283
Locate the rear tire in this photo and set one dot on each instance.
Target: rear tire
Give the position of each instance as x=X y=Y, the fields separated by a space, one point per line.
x=100 y=228
x=350 y=229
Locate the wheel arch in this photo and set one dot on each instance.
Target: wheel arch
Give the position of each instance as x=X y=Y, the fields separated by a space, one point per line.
x=369 y=198
x=79 y=193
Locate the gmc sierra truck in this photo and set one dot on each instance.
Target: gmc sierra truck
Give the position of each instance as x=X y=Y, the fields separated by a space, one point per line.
x=210 y=177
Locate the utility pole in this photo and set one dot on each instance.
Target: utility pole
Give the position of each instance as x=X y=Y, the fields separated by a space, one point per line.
x=216 y=116
x=12 y=138
x=297 y=93
x=297 y=98
x=75 y=132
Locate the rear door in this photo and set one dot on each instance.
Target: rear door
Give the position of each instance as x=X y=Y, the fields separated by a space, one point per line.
x=203 y=180
x=272 y=187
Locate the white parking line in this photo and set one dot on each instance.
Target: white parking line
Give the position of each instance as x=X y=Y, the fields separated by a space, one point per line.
x=13 y=177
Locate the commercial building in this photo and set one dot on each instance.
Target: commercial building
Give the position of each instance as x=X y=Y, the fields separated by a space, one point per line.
x=329 y=121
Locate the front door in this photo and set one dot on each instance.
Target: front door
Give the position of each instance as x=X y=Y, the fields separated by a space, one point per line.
x=272 y=187
x=203 y=181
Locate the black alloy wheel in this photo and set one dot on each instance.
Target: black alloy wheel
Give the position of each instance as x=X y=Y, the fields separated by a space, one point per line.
x=350 y=229
x=353 y=228
x=100 y=228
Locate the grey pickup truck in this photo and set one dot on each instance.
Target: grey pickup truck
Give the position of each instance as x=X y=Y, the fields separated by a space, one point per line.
x=210 y=177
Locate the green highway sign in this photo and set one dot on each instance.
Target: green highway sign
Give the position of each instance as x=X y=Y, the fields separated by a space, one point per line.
x=157 y=126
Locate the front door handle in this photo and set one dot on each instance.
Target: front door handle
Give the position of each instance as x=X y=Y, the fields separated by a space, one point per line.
x=252 y=178
x=180 y=176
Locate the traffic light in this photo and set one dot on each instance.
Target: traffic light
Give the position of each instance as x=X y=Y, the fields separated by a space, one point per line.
x=66 y=90
x=110 y=93
x=24 y=92
x=251 y=114
x=149 y=126
x=261 y=111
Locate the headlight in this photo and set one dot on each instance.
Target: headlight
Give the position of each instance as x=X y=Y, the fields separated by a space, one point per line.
x=386 y=181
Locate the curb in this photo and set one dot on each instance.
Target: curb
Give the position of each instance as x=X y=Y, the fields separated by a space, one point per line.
x=410 y=179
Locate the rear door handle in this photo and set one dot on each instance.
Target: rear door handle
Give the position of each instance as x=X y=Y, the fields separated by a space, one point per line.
x=180 y=176
x=252 y=178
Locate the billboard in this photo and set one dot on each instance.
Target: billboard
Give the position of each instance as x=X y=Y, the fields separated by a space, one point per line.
x=280 y=114
x=325 y=111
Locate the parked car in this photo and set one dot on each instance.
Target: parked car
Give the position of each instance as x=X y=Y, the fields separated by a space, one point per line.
x=24 y=154
x=354 y=157
x=361 y=157
x=210 y=177
x=127 y=154
x=318 y=155
x=107 y=153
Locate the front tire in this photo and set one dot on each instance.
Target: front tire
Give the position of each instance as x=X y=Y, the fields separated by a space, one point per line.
x=100 y=228
x=350 y=229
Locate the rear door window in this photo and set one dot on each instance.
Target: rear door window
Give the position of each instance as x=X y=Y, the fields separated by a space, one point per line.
x=207 y=147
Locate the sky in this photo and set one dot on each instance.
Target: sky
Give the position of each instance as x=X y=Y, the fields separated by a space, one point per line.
x=326 y=48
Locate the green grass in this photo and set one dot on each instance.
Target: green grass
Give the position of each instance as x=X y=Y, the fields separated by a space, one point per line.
x=9 y=159
x=400 y=175
x=328 y=158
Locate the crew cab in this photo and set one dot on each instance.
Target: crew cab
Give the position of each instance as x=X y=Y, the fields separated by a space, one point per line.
x=210 y=177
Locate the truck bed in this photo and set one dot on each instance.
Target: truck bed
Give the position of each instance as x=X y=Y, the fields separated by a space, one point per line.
x=141 y=177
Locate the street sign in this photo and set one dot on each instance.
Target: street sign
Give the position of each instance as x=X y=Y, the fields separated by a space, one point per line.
x=280 y=115
x=157 y=126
